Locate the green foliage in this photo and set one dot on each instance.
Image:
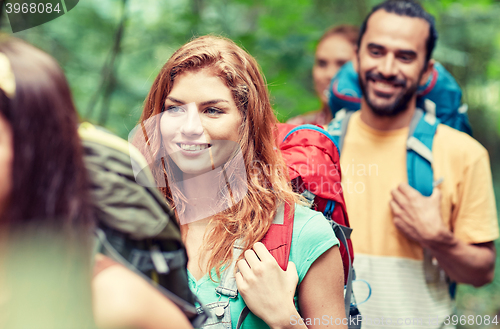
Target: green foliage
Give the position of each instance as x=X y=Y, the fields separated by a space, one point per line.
x=282 y=36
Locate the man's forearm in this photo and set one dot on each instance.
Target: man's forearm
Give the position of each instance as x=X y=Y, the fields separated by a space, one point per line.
x=464 y=263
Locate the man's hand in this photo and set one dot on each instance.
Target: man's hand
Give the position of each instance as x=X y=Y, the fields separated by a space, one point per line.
x=266 y=289
x=417 y=216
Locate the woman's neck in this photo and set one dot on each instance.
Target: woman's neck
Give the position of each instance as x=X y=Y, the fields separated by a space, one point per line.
x=327 y=114
x=202 y=195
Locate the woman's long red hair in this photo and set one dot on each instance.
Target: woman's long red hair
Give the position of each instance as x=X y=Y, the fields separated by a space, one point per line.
x=267 y=177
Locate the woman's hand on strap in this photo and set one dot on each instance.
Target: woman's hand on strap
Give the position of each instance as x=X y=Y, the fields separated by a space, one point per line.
x=266 y=289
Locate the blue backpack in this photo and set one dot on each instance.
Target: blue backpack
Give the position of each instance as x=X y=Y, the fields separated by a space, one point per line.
x=438 y=101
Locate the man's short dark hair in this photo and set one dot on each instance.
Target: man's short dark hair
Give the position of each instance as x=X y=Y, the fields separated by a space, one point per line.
x=407 y=8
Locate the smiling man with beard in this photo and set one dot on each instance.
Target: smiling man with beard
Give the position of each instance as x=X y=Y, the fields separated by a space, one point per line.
x=394 y=225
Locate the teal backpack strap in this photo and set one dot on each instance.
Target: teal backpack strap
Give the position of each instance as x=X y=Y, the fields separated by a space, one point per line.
x=338 y=127
x=419 y=145
x=419 y=158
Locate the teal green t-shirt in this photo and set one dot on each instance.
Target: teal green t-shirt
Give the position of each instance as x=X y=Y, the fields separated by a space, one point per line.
x=312 y=236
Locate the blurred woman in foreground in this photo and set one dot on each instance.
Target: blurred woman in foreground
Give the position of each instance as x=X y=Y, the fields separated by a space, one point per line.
x=46 y=214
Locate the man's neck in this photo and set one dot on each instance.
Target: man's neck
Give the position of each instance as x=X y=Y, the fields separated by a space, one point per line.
x=378 y=122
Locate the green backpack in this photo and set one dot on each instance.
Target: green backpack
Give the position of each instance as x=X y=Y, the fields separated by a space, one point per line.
x=135 y=225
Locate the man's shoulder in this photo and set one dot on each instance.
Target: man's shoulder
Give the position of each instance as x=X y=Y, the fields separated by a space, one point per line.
x=458 y=144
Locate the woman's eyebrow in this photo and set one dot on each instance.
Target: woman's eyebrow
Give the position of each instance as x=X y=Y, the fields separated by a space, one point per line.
x=175 y=100
x=210 y=102
x=214 y=101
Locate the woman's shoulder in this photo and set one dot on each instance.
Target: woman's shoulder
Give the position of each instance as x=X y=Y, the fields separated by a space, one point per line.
x=308 y=220
x=312 y=236
x=122 y=298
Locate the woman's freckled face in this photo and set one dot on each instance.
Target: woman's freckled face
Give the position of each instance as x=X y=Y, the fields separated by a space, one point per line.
x=200 y=123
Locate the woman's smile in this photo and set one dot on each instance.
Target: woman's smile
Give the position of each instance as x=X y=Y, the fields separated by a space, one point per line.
x=200 y=123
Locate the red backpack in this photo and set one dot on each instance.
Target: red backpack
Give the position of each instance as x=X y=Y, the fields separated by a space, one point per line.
x=312 y=157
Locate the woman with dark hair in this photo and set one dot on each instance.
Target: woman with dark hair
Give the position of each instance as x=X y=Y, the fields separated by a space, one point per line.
x=336 y=47
x=45 y=211
x=46 y=215
x=48 y=175
x=208 y=131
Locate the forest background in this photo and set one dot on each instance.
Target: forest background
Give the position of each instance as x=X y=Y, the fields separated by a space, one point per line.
x=111 y=51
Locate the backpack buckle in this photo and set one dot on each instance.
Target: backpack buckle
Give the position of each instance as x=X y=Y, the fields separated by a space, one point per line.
x=159 y=261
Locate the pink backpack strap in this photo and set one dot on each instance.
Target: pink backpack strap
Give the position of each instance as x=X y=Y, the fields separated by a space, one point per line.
x=278 y=239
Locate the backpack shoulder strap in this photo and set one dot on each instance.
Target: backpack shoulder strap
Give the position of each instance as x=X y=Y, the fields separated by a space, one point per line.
x=343 y=233
x=419 y=159
x=419 y=145
x=338 y=127
x=278 y=239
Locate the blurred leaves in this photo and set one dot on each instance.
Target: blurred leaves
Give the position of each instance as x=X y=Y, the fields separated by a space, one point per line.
x=282 y=36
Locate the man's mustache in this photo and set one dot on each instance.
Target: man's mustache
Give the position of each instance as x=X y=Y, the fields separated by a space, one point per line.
x=380 y=78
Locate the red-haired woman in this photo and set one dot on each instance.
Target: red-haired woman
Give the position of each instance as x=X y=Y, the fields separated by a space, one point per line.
x=209 y=128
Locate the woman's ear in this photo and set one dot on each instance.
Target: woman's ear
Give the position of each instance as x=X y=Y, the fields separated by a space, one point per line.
x=427 y=72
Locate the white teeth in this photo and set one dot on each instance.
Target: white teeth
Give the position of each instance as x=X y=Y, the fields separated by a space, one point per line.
x=383 y=84
x=192 y=147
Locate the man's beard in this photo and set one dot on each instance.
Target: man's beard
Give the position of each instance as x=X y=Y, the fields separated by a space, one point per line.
x=399 y=105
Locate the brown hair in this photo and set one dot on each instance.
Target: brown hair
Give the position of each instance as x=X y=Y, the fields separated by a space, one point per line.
x=49 y=217
x=350 y=32
x=49 y=176
x=267 y=176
